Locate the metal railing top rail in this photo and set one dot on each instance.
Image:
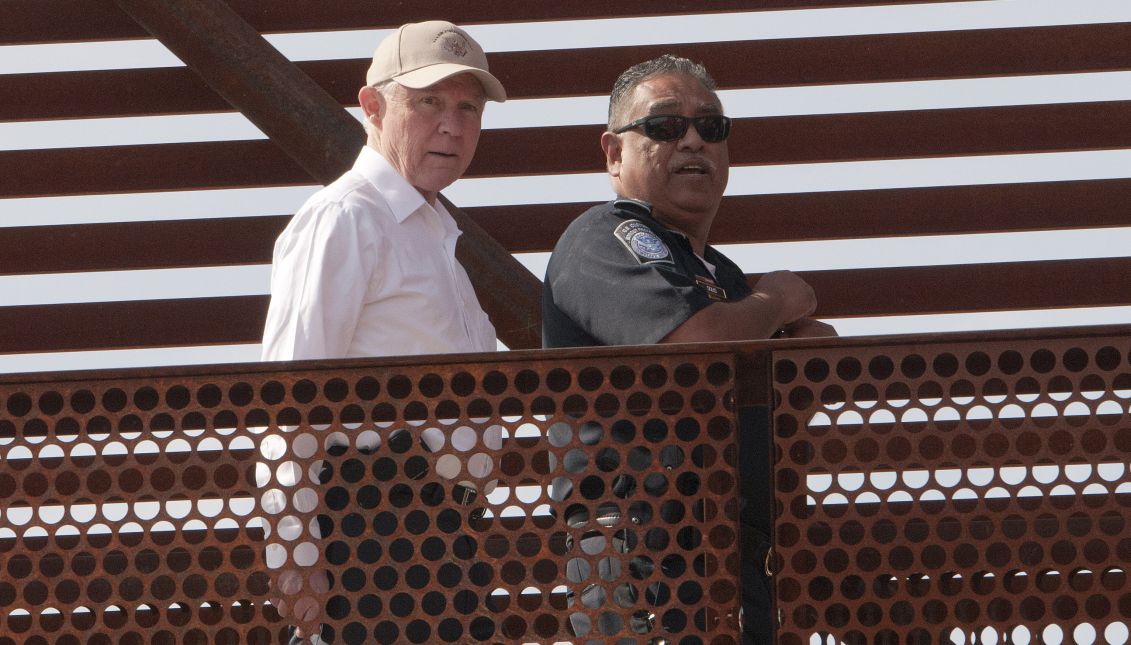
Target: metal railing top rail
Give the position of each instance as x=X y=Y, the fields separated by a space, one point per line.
x=593 y=352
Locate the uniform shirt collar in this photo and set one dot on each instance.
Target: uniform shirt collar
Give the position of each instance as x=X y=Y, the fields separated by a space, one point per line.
x=634 y=206
x=403 y=199
x=643 y=210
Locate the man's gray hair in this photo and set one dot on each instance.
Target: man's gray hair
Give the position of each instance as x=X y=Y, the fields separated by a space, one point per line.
x=387 y=88
x=637 y=74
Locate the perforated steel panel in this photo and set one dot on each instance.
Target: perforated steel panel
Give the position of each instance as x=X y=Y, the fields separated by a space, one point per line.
x=974 y=492
x=587 y=500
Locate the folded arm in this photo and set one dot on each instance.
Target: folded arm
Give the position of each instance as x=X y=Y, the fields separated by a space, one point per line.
x=780 y=301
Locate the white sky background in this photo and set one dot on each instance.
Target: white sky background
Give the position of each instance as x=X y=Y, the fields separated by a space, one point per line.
x=183 y=283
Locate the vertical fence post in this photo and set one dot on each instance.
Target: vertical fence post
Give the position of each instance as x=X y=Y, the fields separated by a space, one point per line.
x=753 y=401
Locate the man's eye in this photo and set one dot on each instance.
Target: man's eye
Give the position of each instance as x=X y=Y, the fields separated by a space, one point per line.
x=430 y=100
x=470 y=107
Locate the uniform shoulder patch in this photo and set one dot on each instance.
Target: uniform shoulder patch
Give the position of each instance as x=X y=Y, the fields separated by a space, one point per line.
x=642 y=243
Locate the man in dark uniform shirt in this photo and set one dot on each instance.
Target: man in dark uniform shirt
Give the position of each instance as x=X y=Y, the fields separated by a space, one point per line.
x=638 y=270
x=638 y=279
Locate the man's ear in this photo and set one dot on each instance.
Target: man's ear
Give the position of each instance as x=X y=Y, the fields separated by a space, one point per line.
x=372 y=104
x=610 y=143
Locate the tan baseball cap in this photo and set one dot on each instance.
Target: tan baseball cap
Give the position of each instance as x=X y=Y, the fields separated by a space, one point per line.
x=421 y=54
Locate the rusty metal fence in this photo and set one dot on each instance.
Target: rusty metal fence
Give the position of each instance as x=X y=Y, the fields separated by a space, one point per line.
x=492 y=501
x=955 y=492
x=940 y=489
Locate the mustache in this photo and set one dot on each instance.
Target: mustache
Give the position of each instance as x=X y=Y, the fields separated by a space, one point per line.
x=692 y=160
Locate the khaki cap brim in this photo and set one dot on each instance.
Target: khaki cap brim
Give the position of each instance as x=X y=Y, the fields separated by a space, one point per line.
x=419 y=79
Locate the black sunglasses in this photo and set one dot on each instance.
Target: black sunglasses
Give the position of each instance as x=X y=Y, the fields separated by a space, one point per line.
x=712 y=128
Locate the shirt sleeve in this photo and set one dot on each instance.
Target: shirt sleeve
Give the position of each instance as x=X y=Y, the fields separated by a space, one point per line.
x=321 y=272
x=617 y=299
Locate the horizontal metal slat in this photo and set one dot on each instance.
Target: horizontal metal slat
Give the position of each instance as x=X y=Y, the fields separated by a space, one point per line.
x=850 y=292
x=836 y=59
x=524 y=151
x=122 y=325
x=838 y=137
x=536 y=227
x=106 y=94
x=857 y=214
x=972 y=287
x=943 y=210
x=140 y=245
x=115 y=169
x=28 y=21
x=743 y=64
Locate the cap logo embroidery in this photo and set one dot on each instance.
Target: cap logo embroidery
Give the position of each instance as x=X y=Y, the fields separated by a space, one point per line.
x=454 y=43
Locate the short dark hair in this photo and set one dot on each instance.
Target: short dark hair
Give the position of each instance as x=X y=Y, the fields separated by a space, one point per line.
x=641 y=72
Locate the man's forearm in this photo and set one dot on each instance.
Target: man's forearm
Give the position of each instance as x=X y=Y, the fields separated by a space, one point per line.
x=756 y=317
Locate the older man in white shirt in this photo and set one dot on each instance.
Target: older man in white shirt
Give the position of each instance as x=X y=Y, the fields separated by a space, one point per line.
x=367 y=267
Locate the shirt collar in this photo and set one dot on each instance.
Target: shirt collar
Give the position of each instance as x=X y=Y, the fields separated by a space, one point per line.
x=643 y=210
x=634 y=206
x=402 y=198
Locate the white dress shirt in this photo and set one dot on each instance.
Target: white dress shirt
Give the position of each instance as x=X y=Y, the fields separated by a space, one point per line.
x=368 y=268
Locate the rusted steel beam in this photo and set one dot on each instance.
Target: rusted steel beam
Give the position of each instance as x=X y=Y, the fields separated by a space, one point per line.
x=975 y=53
x=1000 y=286
x=522 y=151
x=938 y=210
x=783 y=217
x=235 y=61
x=118 y=246
x=841 y=293
x=839 y=137
x=931 y=210
x=510 y=294
x=134 y=324
x=27 y=21
x=313 y=129
x=196 y=165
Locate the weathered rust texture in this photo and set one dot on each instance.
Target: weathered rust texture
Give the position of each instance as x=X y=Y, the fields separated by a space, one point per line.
x=847 y=292
x=1005 y=505
x=935 y=490
x=768 y=218
x=971 y=287
x=522 y=151
x=148 y=497
x=221 y=241
x=540 y=74
x=24 y=21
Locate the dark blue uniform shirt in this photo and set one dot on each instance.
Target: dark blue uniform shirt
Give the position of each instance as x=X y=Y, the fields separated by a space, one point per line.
x=619 y=277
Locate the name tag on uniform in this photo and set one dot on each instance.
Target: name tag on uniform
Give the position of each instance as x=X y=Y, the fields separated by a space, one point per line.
x=714 y=291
